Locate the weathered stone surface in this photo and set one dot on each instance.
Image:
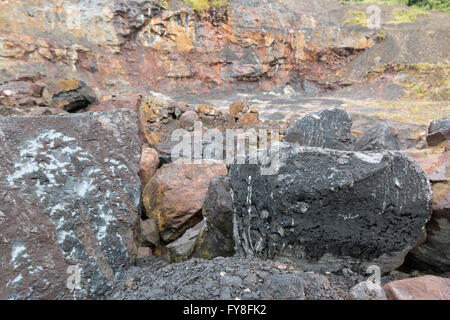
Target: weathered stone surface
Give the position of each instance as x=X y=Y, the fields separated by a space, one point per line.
x=218 y=207
x=174 y=197
x=435 y=165
x=283 y=287
x=213 y=237
x=248 y=119
x=205 y=110
x=124 y=101
x=434 y=253
x=183 y=248
x=379 y=137
x=188 y=119
x=150 y=233
x=212 y=243
x=438 y=131
x=229 y=278
x=73 y=95
x=70 y=197
x=439 y=125
x=238 y=107
x=361 y=207
x=421 y=288
x=362 y=291
x=433 y=139
x=165 y=151
x=328 y=128
x=166 y=148
x=149 y=164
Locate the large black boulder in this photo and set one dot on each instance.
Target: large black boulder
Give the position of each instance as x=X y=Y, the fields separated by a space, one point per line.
x=359 y=207
x=328 y=128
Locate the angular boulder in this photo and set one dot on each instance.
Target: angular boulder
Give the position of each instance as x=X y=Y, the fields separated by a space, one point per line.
x=238 y=108
x=357 y=207
x=438 y=131
x=216 y=237
x=183 y=248
x=328 y=128
x=421 y=288
x=70 y=195
x=379 y=137
x=174 y=197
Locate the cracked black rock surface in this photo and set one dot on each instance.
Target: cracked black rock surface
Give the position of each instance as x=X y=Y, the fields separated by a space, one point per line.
x=328 y=128
x=357 y=207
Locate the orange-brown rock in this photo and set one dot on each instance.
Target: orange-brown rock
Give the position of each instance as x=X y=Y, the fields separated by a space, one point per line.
x=149 y=164
x=174 y=197
x=249 y=119
x=67 y=85
x=205 y=110
x=152 y=137
x=421 y=288
x=238 y=107
x=144 y=252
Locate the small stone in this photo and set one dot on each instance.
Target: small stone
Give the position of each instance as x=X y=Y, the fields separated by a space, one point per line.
x=367 y=291
x=188 y=119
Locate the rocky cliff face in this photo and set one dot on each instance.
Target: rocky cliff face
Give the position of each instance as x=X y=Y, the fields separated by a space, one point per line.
x=118 y=45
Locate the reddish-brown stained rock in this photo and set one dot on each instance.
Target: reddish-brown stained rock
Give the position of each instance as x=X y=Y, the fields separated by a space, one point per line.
x=149 y=164
x=422 y=288
x=174 y=197
x=70 y=197
x=238 y=107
